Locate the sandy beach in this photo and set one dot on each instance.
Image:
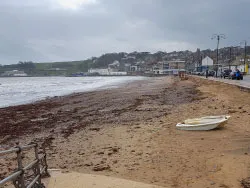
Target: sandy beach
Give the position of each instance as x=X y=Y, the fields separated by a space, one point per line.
x=129 y=132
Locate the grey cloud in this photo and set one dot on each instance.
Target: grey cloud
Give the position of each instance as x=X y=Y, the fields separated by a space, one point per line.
x=40 y=31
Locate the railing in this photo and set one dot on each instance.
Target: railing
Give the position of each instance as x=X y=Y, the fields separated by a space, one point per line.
x=38 y=166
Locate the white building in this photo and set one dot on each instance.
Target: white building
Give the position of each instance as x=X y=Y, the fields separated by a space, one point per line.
x=15 y=73
x=207 y=61
x=106 y=72
x=169 y=67
x=117 y=73
x=99 y=71
x=114 y=66
x=134 y=68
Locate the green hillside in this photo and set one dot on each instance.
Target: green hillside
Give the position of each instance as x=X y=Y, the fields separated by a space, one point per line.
x=49 y=69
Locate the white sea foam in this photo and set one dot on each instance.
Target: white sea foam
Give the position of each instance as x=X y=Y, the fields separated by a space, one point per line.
x=22 y=90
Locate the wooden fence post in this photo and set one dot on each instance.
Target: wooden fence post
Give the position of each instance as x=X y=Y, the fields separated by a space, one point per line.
x=46 y=173
x=37 y=166
x=20 y=180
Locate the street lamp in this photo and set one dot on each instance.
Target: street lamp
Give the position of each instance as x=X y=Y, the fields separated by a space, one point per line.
x=218 y=37
x=245 y=53
x=231 y=53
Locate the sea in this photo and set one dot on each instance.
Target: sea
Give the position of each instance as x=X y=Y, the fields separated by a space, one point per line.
x=23 y=90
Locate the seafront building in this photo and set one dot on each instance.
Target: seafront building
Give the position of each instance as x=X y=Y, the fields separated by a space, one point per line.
x=112 y=70
x=207 y=63
x=14 y=73
x=169 y=67
x=106 y=72
x=238 y=63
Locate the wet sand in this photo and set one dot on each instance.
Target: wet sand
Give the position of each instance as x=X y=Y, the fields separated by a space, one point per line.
x=129 y=132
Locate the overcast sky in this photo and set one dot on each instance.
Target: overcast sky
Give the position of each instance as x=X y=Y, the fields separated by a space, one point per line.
x=57 y=30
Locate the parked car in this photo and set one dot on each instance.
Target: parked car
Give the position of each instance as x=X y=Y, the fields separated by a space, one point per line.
x=211 y=73
x=202 y=73
x=226 y=73
x=233 y=75
x=197 y=73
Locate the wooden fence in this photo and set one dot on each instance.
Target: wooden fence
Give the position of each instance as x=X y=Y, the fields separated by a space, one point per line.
x=38 y=168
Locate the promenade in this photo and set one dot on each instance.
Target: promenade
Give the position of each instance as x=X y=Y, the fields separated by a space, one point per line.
x=245 y=83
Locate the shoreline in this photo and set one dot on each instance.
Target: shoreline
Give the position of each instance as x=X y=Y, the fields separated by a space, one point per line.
x=130 y=132
x=111 y=84
x=53 y=102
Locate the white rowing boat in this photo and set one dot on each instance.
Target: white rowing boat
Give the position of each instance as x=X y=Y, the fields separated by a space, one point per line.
x=203 y=124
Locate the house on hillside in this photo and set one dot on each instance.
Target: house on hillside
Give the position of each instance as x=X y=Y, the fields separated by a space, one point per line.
x=114 y=67
x=127 y=67
x=135 y=68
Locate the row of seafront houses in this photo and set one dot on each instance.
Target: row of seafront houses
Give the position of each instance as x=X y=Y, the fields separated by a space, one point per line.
x=161 y=68
x=172 y=67
x=208 y=64
x=166 y=67
x=112 y=70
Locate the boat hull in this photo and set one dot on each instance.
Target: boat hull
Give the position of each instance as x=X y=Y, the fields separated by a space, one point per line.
x=210 y=122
